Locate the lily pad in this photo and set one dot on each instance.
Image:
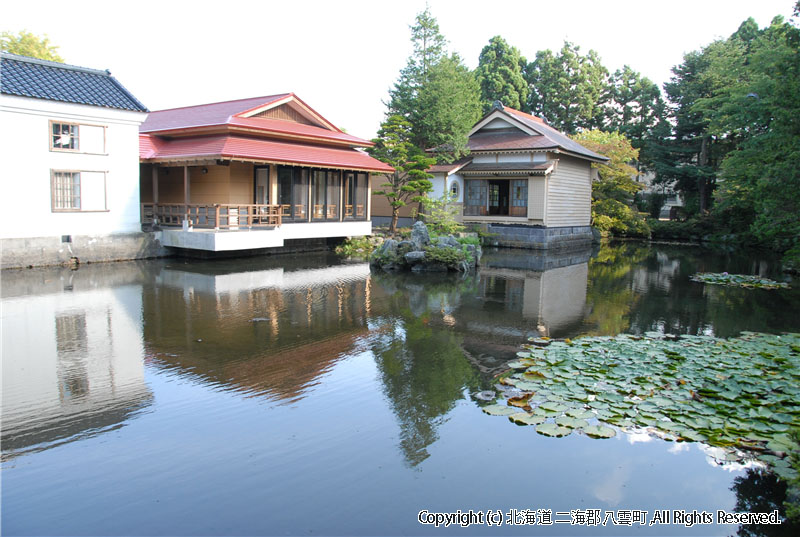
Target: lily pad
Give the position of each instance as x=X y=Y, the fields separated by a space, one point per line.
x=737 y=280
x=499 y=410
x=551 y=429
x=523 y=418
x=599 y=431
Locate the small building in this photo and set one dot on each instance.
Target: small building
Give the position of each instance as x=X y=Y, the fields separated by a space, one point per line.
x=70 y=179
x=524 y=182
x=252 y=174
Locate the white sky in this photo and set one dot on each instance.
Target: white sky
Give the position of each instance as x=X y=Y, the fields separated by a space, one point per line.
x=342 y=56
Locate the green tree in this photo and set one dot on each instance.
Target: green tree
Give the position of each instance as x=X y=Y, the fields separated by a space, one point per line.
x=567 y=88
x=500 y=75
x=429 y=46
x=435 y=92
x=614 y=187
x=410 y=180
x=27 y=44
x=447 y=107
x=636 y=109
x=759 y=113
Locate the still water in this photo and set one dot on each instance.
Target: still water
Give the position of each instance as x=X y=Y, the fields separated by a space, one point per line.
x=307 y=395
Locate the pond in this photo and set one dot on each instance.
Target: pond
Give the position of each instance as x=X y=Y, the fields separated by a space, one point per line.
x=308 y=395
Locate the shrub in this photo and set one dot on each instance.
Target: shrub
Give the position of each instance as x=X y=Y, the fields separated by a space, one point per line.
x=451 y=257
x=358 y=246
x=440 y=215
x=618 y=219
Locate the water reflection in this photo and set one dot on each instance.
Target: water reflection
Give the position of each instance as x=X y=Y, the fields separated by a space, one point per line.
x=271 y=331
x=72 y=355
x=637 y=288
x=759 y=491
x=246 y=394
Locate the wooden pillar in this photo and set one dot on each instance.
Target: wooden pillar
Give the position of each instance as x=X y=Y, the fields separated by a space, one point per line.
x=186 y=185
x=155 y=184
x=186 y=194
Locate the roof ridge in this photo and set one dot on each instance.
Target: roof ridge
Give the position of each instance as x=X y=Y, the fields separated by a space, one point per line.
x=59 y=65
x=273 y=97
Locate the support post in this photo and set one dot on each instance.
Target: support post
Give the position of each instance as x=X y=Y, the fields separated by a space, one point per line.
x=186 y=196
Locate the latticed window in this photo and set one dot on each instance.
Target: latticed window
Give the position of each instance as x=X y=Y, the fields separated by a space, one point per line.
x=64 y=136
x=66 y=191
x=476 y=197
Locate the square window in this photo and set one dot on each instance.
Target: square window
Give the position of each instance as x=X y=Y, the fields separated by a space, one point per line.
x=66 y=191
x=64 y=136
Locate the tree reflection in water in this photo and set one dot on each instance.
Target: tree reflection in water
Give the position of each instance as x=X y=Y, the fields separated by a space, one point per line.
x=423 y=368
x=759 y=491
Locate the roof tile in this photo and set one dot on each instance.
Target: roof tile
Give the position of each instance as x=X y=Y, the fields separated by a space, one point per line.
x=40 y=79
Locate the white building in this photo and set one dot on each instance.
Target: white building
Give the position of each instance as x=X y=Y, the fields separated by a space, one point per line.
x=70 y=182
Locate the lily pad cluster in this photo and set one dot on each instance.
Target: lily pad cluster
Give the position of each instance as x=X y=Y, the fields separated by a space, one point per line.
x=741 y=394
x=737 y=280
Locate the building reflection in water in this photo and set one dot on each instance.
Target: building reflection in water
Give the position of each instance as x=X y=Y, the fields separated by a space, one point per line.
x=270 y=332
x=447 y=333
x=72 y=354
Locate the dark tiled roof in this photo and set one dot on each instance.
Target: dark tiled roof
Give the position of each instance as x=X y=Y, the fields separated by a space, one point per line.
x=556 y=137
x=518 y=167
x=449 y=167
x=508 y=141
x=40 y=79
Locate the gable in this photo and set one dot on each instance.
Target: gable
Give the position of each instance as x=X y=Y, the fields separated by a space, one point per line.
x=497 y=122
x=286 y=113
x=291 y=109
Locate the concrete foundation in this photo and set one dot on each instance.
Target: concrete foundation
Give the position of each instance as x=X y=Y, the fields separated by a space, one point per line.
x=537 y=237
x=78 y=249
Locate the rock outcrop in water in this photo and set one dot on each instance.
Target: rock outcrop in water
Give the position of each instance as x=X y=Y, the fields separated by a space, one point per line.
x=420 y=254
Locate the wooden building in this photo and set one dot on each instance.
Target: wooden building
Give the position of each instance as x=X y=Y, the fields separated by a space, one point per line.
x=271 y=166
x=524 y=182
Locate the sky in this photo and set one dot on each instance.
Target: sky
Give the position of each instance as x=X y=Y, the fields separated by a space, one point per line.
x=342 y=56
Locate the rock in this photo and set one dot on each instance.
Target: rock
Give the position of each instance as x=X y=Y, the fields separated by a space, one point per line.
x=447 y=242
x=415 y=257
x=388 y=246
x=419 y=235
x=407 y=246
x=475 y=252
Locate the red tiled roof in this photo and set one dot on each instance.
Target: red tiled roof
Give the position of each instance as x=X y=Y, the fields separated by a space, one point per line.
x=227 y=146
x=295 y=129
x=228 y=116
x=203 y=114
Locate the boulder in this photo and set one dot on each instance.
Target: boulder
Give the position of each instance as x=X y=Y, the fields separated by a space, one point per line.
x=419 y=235
x=415 y=257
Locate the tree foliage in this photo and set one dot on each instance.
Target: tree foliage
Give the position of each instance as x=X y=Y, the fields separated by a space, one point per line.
x=435 y=92
x=410 y=180
x=614 y=187
x=447 y=107
x=500 y=74
x=636 y=109
x=567 y=88
x=27 y=44
x=735 y=106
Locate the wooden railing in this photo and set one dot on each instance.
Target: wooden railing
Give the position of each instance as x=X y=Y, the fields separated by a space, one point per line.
x=212 y=216
x=359 y=211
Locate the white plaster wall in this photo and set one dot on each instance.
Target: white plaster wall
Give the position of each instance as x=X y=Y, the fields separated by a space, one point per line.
x=25 y=169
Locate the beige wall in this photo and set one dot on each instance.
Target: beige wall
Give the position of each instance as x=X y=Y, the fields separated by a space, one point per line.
x=569 y=193
x=380 y=204
x=537 y=192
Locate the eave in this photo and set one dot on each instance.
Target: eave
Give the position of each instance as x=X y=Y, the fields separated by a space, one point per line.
x=267 y=133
